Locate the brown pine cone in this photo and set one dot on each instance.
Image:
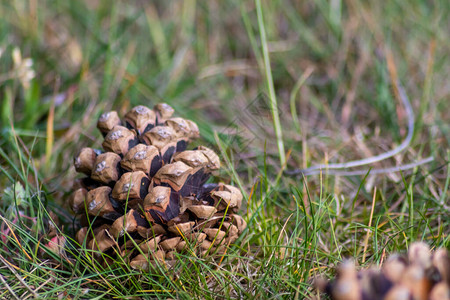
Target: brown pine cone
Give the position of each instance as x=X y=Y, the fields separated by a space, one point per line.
x=421 y=275
x=147 y=190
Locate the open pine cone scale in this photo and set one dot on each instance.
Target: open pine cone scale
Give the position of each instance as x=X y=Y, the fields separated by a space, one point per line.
x=148 y=185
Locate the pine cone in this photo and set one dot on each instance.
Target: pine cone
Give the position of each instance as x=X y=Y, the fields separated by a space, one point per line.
x=421 y=275
x=147 y=184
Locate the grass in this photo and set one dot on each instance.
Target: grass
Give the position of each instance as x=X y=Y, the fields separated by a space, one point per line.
x=236 y=67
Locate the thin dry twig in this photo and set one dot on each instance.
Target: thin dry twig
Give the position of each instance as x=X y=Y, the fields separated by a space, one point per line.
x=366 y=240
x=373 y=159
x=372 y=171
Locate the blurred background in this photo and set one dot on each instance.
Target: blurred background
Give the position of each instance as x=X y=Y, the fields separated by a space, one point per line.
x=62 y=63
x=73 y=60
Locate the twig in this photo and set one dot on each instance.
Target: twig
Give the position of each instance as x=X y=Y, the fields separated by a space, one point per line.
x=366 y=240
x=370 y=160
x=372 y=171
x=8 y=287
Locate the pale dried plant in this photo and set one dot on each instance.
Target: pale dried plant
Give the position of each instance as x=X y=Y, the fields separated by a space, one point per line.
x=23 y=68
